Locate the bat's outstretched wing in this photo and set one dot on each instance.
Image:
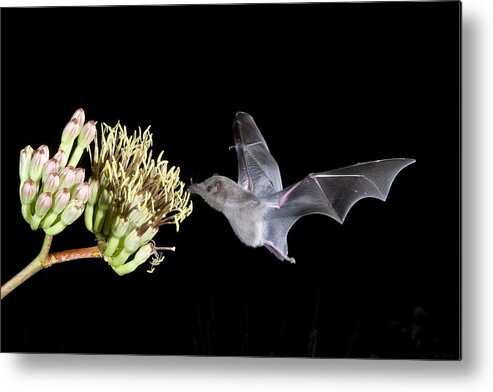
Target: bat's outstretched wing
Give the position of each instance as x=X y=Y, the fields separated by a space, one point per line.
x=258 y=171
x=331 y=193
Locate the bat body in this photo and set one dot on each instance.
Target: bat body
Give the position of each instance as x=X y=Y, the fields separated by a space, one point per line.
x=261 y=212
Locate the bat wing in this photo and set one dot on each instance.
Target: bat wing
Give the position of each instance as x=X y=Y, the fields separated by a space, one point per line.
x=331 y=193
x=258 y=171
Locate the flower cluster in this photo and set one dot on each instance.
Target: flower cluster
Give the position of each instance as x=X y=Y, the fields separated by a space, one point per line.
x=131 y=195
x=52 y=191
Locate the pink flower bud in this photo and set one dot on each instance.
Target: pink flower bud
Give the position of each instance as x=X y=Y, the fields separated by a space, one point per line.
x=72 y=212
x=38 y=161
x=80 y=116
x=28 y=191
x=87 y=134
x=51 y=183
x=62 y=158
x=24 y=162
x=70 y=132
x=61 y=200
x=67 y=177
x=43 y=204
x=51 y=166
x=80 y=175
x=82 y=192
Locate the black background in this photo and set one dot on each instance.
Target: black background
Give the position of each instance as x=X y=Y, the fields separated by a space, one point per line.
x=328 y=85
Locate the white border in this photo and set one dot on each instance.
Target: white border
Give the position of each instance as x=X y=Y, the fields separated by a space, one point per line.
x=475 y=373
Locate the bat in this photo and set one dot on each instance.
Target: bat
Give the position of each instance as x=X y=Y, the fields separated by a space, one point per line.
x=261 y=212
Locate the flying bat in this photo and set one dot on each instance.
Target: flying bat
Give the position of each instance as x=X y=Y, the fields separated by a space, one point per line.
x=261 y=212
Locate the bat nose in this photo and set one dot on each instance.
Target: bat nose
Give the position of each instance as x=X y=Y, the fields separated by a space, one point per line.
x=193 y=188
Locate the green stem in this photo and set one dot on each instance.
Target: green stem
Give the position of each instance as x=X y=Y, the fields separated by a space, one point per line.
x=75 y=158
x=45 y=260
x=33 y=267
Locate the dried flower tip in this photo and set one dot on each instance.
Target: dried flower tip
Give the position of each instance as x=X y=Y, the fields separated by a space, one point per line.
x=51 y=183
x=40 y=157
x=43 y=204
x=61 y=200
x=24 y=163
x=28 y=192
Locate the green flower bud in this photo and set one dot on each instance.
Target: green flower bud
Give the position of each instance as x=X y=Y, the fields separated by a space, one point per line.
x=28 y=192
x=139 y=216
x=40 y=157
x=132 y=241
x=69 y=134
x=120 y=227
x=140 y=257
x=51 y=183
x=24 y=163
x=72 y=212
x=148 y=235
x=93 y=191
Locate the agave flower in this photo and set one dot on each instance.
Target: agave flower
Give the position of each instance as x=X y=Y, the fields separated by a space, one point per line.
x=131 y=195
x=53 y=193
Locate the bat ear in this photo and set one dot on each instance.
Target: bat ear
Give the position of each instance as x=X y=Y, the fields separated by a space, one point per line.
x=218 y=185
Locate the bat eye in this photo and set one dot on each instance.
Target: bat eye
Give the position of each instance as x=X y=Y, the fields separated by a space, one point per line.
x=209 y=188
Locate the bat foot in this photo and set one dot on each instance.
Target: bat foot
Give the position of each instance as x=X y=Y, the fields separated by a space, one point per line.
x=278 y=253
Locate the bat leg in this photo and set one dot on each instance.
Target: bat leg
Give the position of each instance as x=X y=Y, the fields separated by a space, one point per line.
x=278 y=253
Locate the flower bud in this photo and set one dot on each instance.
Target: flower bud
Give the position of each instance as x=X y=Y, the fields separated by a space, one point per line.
x=43 y=204
x=67 y=177
x=140 y=257
x=38 y=161
x=93 y=191
x=132 y=241
x=82 y=192
x=148 y=235
x=80 y=116
x=120 y=227
x=24 y=162
x=51 y=183
x=28 y=191
x=138 y=216
x=62 y=158
x=105 y=200
x=80 y=175
x=72 y=212
x=87 y=134
x=51 y=166
x=70 y=132
x=61 y=200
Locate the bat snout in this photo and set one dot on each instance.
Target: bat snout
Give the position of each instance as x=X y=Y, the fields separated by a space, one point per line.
x=194 y=189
